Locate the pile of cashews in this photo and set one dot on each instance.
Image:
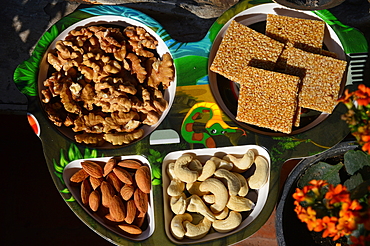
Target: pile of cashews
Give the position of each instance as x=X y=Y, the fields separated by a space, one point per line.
x=214 y=192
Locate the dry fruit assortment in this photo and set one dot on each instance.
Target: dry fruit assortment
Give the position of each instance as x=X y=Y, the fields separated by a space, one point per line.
x=280 y=72
x=212 y=196
x=106 y=83
x=117 y=191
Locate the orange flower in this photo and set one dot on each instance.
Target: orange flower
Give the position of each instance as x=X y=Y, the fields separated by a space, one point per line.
x=319 y=226
x=346 y=222
x=317 y=185
x=330 y=227
x=346 y=97
x=354 y=205
x=362 y=95
x=309 y=217
x=365 y=138
x=366 y=147
x=340 y=220
x=299 y=195
x=298 y=208
x=336 y=194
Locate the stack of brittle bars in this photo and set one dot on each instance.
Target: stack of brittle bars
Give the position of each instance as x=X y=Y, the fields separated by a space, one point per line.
x=280 y=72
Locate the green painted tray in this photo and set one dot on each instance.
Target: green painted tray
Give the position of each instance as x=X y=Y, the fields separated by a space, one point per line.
x=195 y=90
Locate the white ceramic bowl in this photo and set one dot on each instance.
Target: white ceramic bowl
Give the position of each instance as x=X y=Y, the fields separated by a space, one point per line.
x=110 y=20
x=259 y=196
x=257 y=16
x=74 y=166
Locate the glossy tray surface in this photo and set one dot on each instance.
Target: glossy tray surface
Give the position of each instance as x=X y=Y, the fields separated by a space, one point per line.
x=193 y=103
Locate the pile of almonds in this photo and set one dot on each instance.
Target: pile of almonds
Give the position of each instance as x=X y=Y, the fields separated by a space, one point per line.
x=116 y=190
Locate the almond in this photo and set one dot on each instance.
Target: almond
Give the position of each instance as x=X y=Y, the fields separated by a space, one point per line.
x=79 y=176
x=85 y=191
x=108 y=167
x=95 y=182
x=92 y=168
x=131 y=211
x=131 y=229
x=107 y=192
x=143 y=179
x=139 y=220
x=109 y=217
x=114 y=181
x=123 y=175
x=133 y=164
x=127 y=191
x=94 y=200
x=117 y=209
x=141 y=200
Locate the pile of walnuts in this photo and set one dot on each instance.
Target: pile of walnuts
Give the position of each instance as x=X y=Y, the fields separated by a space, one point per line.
x=106 y=83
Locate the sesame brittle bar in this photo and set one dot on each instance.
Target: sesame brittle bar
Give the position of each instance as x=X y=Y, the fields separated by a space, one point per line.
x=321 y=78
x=242 y=46
x=304 y=34
x=268 y=99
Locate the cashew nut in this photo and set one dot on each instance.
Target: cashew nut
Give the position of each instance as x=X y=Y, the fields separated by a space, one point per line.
x=217 y=188
x=222 y=215
x=209 y=198
x=230 y=223
x=175 y=188
x=178 y=204
x=196 y=204
x=199 y=230
x=243 y=163
x=208 y=170
x=240 y=204
x=177 y=227
x=182 y=171
x=232 y=181
x=196 y=165
x=260 y=175
x=193 y=188
x=244 y=188
x=170 y=172
x=221 y=163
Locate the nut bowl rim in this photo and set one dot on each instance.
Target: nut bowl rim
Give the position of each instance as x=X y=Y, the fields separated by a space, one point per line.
x=122 y=21
x=203 y=154
x=75 y=165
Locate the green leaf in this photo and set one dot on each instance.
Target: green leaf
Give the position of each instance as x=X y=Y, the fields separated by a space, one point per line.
x=154 y=153
x=60 y=176
x=321 y=171
x=74 y=153
x=197 y=65
x=71 y=199
x=353 y=181
x=63 y=162
x=365 y=172
x=57 y=168
x=361 y=190
x=353 y=41
x=93 y=153
x=156 y=182
x=156 y=172
x=65 y=191
x=354 y=160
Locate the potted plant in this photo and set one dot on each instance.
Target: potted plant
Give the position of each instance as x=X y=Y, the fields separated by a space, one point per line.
x=326 y=198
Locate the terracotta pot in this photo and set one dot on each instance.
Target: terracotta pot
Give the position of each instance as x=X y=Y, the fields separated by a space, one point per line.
x=290 y=231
